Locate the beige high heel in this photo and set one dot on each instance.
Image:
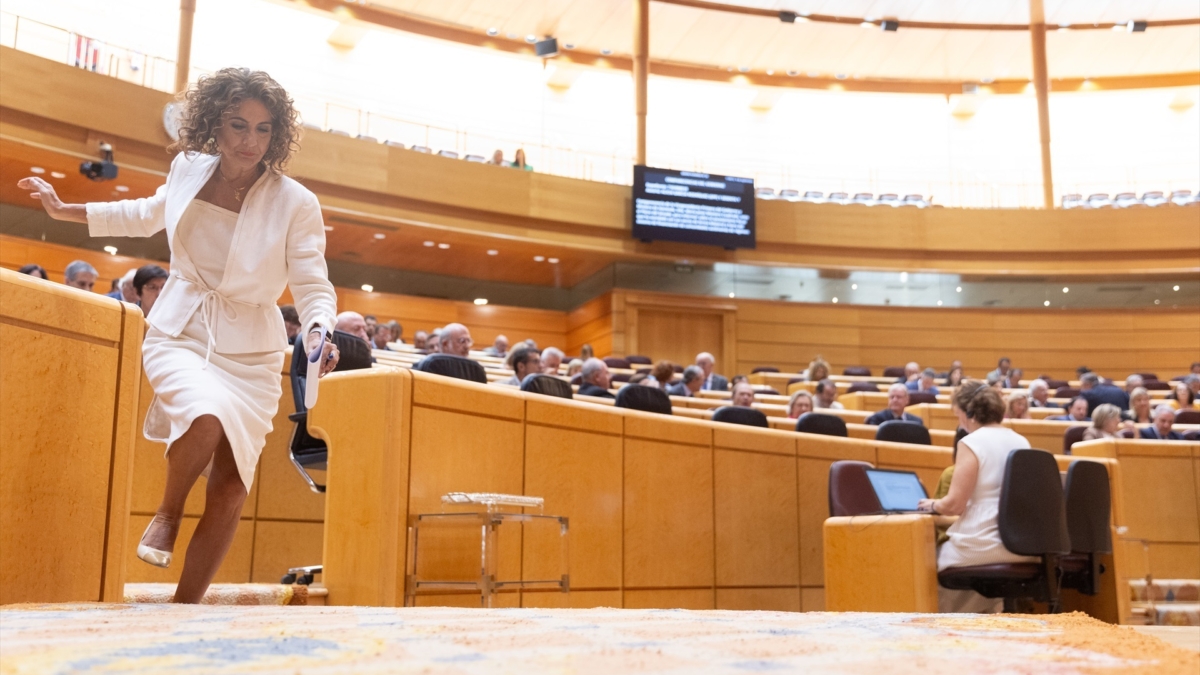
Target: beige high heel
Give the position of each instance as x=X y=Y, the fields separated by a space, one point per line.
x=152 y=555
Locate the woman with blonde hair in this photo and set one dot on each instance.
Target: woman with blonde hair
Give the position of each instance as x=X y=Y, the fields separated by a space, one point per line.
x=1017 y=407
x=1106 y=422
x=800 y=403
x=818 y=369
x=1140 y=411
x=240 y=232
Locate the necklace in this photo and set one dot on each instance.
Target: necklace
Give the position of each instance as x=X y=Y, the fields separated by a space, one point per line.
x=238 y=192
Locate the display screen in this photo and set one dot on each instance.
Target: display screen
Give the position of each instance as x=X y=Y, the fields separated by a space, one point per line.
x=897 y=490
x=693 y=207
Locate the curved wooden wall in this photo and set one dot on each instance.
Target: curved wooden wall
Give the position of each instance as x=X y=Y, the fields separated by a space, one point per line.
x=369 y=182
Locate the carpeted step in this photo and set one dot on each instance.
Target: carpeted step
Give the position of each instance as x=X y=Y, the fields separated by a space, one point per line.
x=224 y=594
x=1165 y=590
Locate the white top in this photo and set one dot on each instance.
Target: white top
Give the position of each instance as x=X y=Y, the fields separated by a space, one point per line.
x=975 y=538
x=206 y=231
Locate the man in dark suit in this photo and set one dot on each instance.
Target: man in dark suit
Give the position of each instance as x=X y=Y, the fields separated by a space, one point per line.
x=1097 y=393
x=897 y=402
x=693 y=380
x=712 y=381
x=1077 y=411
x=1164 y=419
x=594 y=379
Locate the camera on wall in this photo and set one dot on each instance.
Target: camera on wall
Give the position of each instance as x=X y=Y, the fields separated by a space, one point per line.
x=105 y=169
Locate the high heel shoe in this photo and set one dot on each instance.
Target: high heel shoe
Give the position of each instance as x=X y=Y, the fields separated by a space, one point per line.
x=152 y=555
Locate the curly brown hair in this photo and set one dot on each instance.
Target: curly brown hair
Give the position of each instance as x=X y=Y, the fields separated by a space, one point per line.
x=206 y=103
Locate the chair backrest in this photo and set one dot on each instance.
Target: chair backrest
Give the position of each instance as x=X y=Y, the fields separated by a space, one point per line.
x=1053 y=384
x=1066 y=392
x=1089 y=507
x=732 y=414
x=621 y=377
x=820 y=423
x=915 y=397
x=850 y=491
x=857 y=371
x=647 y=399
x=764 y=369
x=353 y=354
x=449 y=365
x=1072 y=436
x=1187 y=417
x=862 y=386
x=766 y=391
x=899 y=431
x=1148 y=376
x=1155 y=385
x=1193 y=435
x=615 y=362
x=1032 y=515
x=547 y=385
x=893 y=371
x=637 y=358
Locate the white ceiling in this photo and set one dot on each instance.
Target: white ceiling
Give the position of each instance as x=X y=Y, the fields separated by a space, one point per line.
x=723 y=39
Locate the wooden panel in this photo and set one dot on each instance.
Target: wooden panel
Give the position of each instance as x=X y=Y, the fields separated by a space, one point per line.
x=760 y=599
x=1162 y=485
x=670 y=599
x=817 y=453
x=668 y=515
x=757 y=533
x=573 y=600
x=880 y=564
x=812 y=599
x=679 y=336
x=234 y=570
x=281 y=545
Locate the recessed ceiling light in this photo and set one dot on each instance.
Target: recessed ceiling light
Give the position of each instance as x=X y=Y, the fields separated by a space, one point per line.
x=481 y=301
x=958 y=289
x=368 y=288
x=552 y=261
x=37 y=169
x=493 y=31
x=733 y=295
x=904 y=277
x=1119 y=28
x=493 y=252
x=835 y=300
x=1066 y=289
x=1157 y=301
x=122 y=188
x=443 y=246
x=1046 y=303
x=57 y=174
x=939 y=303
x=329 y=228
x=531 y=39
x=539 y=258
x=428 y=243
x=867 y=24
x=380 y=235
x=770 y=71
x=1175 y=288
x=606 y=51
x=111 y=250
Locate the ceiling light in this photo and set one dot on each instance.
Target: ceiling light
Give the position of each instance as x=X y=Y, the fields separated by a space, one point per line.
x=481 y=301
x=835 y=300
x=1066 y=289
x=552 y=261
x=428 y=243
x=743 y=69
x=539 y=258
x=733 y=295
x=368 y=288
x=958 y=289
x=854 y=287
x=380 y=235
x=1157 y=301
x=867 y=24
x=1064 y=26
x=493 y=252
x=1175 y=288
x=329 y=228
x=1046 y=303
x=904 y=277
x=493 y=31
x=37 y=169
x=111 y=250
x=57 y=174
x=770 y=71
x=531 y=39
x=122 y=188
x=939 y=303
x=443 y=246
x=1119 y=28
x=606 y=51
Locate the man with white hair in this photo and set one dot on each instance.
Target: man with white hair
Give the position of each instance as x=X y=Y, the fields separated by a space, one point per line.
x=743 y=395
x=552 y=358
x=689 y=384
x=897 y=402
x=1133 y=382
x=912 y=372
x=712 y=381
x=1039 y=394
x=81 y=275
x=455 y=339
x=354 y=324
x=594 y=379
x=1164 y=419
x=124 y=288
x=499 y=348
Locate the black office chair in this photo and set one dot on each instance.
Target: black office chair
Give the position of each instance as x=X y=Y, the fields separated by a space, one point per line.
x=646 y=399
x=732 y=414
x=862 y=386
x=1032 y=522
x=898 y=431
x=1089 y=509
x=639 y=360
x=915 y=397
x=820 y=423
x=448 y=365
x=857 y=371
x=1187 y=417
x=547 y=385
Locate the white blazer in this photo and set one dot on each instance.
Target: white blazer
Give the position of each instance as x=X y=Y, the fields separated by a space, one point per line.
x=279 y=240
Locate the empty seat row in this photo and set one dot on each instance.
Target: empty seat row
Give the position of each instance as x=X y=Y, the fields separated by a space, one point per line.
x=449 y=154
x=1125 y=200
x=864 y=198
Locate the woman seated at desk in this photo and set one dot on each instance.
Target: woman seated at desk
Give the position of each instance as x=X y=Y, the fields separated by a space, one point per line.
x=1106 y=423
x=1139 y=407
x=974 y=495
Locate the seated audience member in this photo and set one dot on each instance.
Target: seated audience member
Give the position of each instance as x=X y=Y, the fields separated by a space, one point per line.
x=81 y=275
x=1164 y=419
x=1182 y=395
x=381 y=337
x=34 y=271
x=1096 y=392
x=586 y=352
x=826 y=395
x=800 y=403
x=371 y=320
x=595 y=379
x=818 y=369
x=434 y=343
x=354 y=324
x=148 y=282
x=1133 y=382
x=1077 y=411
x=124 y=288
x=455 y=340
x=1193 y=382
x=693 y=380
x=642 y=379
x=1015 y=376
x=1195 y=369
x=420 y=340
x=954 y=377
x=1001 y=373
x=996 y=382
x=1039 y=394
x=499 y=347
x=291 y=322
x=1017 y=406
x=397 y=331
x=664 y=372
x=498 y=159
x=1106 y=421
x=912 y=371
x=943 y=489
x=1139 y=411
x=532 y=344
x=574 y=368
x=524 y=362
x=974 y=494
x=743 y=395
x=712 y=381
x=552 y=358
x=924 y=382
x=737 y=379
x=956 y=363
x=897 y=402
x=519 y=160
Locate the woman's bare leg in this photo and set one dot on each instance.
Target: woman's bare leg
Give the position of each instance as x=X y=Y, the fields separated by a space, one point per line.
x=189 y=455
x=223 y=502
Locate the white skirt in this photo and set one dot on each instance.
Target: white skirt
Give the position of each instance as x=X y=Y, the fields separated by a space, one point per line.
x=240 y=390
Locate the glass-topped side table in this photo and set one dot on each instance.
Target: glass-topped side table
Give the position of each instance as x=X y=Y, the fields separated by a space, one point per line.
x=486 y=511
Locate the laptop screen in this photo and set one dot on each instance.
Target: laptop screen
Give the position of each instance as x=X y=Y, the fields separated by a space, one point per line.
x=897 y=490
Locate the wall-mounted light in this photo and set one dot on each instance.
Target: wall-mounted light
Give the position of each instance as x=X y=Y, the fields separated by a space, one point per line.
x=368 y=288
x=111 y=250
x=480 y=301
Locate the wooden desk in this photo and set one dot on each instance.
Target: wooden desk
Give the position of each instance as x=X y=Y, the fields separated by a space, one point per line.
x=881 y=564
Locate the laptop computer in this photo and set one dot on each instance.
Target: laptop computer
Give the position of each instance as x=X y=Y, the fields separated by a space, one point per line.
x=898 y=491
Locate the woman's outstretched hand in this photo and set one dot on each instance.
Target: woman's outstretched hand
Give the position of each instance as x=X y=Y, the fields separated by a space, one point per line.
x=55 y=208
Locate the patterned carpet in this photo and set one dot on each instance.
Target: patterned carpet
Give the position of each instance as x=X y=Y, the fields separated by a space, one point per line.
x=99 y=639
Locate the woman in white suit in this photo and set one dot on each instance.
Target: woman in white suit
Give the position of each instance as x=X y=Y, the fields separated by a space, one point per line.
x=239 y=231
